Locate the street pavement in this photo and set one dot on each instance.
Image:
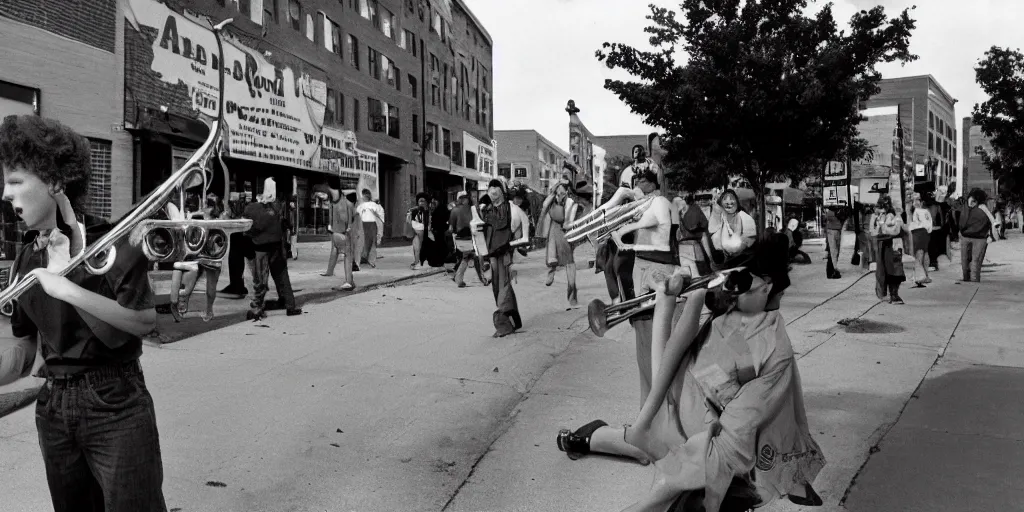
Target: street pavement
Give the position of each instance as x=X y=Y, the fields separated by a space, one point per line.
x=399 y=399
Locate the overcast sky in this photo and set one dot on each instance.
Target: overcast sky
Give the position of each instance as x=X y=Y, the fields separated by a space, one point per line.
x=544 y=54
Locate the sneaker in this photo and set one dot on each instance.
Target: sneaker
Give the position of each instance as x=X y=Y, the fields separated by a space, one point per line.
x=347 y=286
x=294 y=312
x=897 y=300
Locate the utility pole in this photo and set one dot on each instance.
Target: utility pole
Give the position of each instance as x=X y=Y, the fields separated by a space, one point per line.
x=423 y=111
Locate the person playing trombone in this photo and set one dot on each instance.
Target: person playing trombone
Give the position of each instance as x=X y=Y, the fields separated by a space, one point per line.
x=655 y=261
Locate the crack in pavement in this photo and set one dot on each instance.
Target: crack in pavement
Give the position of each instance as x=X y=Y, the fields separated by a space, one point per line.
x=889 y=426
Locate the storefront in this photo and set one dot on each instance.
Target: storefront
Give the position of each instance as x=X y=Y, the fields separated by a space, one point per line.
x=480 y=159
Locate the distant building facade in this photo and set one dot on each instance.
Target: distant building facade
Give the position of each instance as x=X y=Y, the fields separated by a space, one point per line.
x=974 y=172
x=926 y=113
x=527 y=157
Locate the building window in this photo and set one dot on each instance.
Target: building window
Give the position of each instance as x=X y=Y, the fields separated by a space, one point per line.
x=412 y=86
x=353 y=51
x=387 y=23
x=470 y=160
x=433 y=144
x=409 y=42
x=446 y=148
x=388 y=70
x=416 y=128
x=396 y=77
x=330 y=113
x=355 y=115
x=373 y=62
x=457 y=152
x=310 y=28
x=99 y=180
x=295 y=14
x=522 y=172
x=931 y=142
x=332 y=35
x=931 y=120
x=376 y=116
x=394 y=124
x=341 y=109
x=505 y=171
x=368 y=10
x=269 y=12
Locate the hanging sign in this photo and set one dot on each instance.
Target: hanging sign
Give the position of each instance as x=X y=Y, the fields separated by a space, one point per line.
x=835 y=171
x=273 y=114
x=835 y=196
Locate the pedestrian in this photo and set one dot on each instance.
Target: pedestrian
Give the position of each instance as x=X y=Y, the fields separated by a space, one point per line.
x=293 y=230
x=693 y=227
x=356 y=233
x=94 y=416
x=188 y=273
x=267 y=233
x=240 y=255
x=976 y=225
x=732 y=229
x=920 y=231
x=372 y=216
x=343 y=222
x=436 y=244
x=866 y=241
x=557 y=213
x=887 y=229
x=415 y=222
x=497 y=226
x=835 y=218
x=939 y=237
x=461 y=231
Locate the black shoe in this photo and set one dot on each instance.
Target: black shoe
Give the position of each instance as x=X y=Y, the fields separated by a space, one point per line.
x=294 y=312
x=233 y=293
x=577 y=444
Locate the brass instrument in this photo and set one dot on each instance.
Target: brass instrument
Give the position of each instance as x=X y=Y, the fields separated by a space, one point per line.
x=602 y=317
x=161 y=240
x=599 y=224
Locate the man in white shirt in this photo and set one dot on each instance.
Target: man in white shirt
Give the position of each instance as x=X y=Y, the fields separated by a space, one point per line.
x=372 y=216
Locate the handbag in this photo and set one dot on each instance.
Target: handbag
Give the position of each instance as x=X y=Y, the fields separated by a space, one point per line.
x=732 y=242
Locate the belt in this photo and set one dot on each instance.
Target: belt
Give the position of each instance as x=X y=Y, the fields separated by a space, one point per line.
x=97 y=374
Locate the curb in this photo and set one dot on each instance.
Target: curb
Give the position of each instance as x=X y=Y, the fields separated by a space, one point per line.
x=312 y=297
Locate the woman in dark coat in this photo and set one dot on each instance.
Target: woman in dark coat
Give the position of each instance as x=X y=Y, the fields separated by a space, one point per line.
x=435 y=245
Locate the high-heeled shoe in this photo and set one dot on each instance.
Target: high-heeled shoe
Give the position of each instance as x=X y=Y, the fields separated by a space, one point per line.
x=577 y=444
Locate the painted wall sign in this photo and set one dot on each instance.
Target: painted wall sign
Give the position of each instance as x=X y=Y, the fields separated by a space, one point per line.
x=272 y=115
x=340 y=155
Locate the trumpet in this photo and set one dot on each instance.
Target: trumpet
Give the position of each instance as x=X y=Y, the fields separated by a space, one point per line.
x=170 y=240
x=602 y=317
x=599 y=224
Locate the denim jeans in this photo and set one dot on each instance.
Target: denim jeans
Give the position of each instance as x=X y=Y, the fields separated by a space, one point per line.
x=100 y=445
x=972 y=255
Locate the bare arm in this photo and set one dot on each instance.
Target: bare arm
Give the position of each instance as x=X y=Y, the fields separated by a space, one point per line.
x=108 y=311
x=17 y=358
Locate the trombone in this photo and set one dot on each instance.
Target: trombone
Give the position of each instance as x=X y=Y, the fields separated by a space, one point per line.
x=602 y=317
x=599 y=224
x=172 y=240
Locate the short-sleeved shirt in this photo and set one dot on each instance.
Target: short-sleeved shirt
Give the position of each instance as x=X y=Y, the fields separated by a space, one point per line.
x=69 y=344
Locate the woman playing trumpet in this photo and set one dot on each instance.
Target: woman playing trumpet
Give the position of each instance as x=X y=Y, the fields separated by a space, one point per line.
x=725 y=423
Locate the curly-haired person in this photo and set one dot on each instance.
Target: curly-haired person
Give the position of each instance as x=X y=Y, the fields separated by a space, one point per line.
x=95 y=417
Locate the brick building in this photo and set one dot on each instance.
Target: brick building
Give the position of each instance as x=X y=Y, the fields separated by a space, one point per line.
x=65 y=61
x=926 y=112
x=360 y=65
x=456 y=56
x=529 y=158
x=975 y=174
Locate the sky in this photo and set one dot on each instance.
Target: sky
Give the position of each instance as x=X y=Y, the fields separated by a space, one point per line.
x=544 y=54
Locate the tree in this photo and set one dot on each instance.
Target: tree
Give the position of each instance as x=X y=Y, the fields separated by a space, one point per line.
x=1001 y=75
x=765 y=94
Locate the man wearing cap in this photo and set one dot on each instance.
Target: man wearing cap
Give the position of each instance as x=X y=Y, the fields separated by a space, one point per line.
x=459 y=228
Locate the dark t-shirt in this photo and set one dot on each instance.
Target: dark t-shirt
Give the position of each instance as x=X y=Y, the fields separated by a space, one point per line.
x=266 y=223
x=69 y=344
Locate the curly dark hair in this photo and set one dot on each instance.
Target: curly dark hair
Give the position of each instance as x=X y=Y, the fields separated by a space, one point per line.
x=50 y=150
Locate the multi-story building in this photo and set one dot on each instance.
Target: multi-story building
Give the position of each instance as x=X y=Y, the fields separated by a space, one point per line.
x=65 y=62
x=926 y=113
x=351 y=87
x=455 y=56
x=529 y=158
x=974 y=172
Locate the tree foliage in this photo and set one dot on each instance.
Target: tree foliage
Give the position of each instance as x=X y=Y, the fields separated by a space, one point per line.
x=763 y=92
x=1001 y=75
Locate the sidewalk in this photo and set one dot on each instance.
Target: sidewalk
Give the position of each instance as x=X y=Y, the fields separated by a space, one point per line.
x=959 y=443
x=858 y=380
x=307 y=283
